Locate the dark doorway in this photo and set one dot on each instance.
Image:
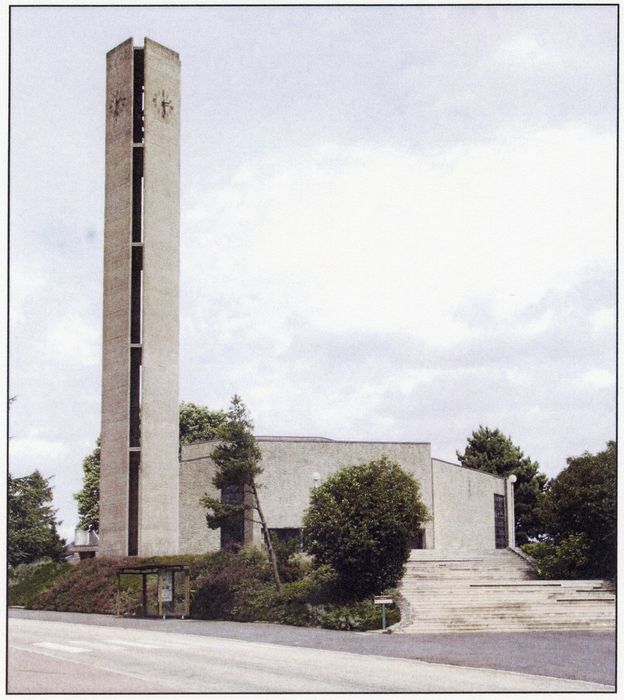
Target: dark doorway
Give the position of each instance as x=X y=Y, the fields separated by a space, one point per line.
x=500 y=529
x=233 y=532
x=418 y=542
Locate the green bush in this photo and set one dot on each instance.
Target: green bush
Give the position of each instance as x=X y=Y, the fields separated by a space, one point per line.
x=263 y=602
x=218 y=579
x=290 y=563
x=564 y=560
x=90 y=587
x=583 y=499
x=224 y=586
x=27 y=581
x=309 y=602
x=360 y=616
x=361 y=522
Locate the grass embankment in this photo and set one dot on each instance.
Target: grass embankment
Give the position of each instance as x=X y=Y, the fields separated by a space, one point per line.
x=27 y=581
x=224 y=586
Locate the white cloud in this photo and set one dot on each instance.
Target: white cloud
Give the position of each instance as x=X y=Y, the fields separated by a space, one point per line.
x=33 y=450
x=603 y=319
x=76 y=340
x=598 y=379
x=26 y=286
x=537 y=325
x=372 y=237
x=524 y=51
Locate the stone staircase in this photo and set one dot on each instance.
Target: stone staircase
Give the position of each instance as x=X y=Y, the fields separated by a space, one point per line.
x=496 y=591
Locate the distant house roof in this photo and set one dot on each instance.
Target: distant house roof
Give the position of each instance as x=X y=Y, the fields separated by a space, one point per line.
x=84 y=541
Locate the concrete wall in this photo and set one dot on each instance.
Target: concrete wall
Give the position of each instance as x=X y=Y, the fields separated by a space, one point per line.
x=158 y=506
x=287 y=479
x=116 y=312
x=463 y=507
x=195 y=474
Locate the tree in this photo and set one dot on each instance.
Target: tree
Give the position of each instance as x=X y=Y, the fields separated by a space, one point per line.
x=32 y=523
x=493 y=452
x=581 y=501
x=361 y=522
x=237 y=458
x=88 y=497
x=197 y=424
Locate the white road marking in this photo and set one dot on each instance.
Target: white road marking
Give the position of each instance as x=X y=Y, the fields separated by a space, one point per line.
x=60 y=647
x=90 y=664
x=98 y=645
x=133 y=644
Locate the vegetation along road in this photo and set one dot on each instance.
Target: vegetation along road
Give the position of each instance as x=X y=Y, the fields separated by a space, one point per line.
x=59 y=656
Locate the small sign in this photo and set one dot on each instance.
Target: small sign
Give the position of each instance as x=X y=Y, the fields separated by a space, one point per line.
x=167 y=587
x=383 y=600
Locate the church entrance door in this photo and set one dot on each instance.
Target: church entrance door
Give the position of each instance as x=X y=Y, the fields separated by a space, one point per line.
x=500 y=531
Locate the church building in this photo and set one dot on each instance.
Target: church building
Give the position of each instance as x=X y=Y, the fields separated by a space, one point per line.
x=149 y=491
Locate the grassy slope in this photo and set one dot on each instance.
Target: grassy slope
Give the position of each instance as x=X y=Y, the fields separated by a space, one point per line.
x=224 y=586
x=28 y=581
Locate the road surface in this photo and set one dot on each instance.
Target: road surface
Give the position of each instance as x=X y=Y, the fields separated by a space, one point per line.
x=51 y=656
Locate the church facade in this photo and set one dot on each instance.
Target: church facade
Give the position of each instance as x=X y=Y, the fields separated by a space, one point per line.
x=470 y=510
x=149 y=492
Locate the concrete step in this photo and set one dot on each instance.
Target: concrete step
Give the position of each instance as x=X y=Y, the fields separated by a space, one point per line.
x=549 y=627
x=498 y=591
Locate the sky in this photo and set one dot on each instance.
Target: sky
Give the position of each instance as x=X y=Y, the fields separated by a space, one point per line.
x=397 y=223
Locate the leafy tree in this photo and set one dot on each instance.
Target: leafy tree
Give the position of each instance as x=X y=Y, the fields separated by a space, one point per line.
x=197 y=423
x=32 y=523
x=566 y=559
x=237 y=458
x=581 y=501
x=493 y=452
x=88 y=497
x=361 y=522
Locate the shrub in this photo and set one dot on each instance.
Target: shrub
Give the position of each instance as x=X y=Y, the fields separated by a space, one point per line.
x=583 y=499
x=360 y=616
x=218 y=580
x=27 y=581
x=224 y=586
x=361 y=522
x=564 y=560
x=309 y=602
x=291 y=563
x=90 y=587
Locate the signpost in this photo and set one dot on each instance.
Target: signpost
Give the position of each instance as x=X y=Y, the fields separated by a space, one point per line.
x=383 y=600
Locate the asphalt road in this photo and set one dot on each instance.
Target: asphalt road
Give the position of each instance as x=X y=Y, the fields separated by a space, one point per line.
x=155 y=656
x=588 y=656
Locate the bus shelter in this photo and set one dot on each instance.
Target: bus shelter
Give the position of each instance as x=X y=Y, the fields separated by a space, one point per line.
x=173 y=588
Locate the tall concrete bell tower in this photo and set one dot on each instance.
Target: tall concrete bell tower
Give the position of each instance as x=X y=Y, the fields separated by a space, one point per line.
x=140 y=433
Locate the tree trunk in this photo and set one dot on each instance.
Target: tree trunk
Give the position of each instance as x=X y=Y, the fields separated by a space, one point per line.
x=267 y=538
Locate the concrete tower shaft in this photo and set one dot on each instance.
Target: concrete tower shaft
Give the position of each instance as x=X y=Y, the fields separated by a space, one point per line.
x=139 y=462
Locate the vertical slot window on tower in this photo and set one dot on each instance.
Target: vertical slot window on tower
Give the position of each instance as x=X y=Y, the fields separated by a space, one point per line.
x=133 y=504
x=135 y=397
x=137 y=194
x=138 y=101
x=136 y=300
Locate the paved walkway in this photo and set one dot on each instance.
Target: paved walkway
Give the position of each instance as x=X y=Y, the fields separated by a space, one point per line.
x=587 y=656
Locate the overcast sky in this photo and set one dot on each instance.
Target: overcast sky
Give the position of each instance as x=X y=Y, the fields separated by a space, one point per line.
x=397 y=223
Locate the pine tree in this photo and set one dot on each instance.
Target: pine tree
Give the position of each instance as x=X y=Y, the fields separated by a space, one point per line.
x=493 y=452
x=32 y=523
x=237 y=458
